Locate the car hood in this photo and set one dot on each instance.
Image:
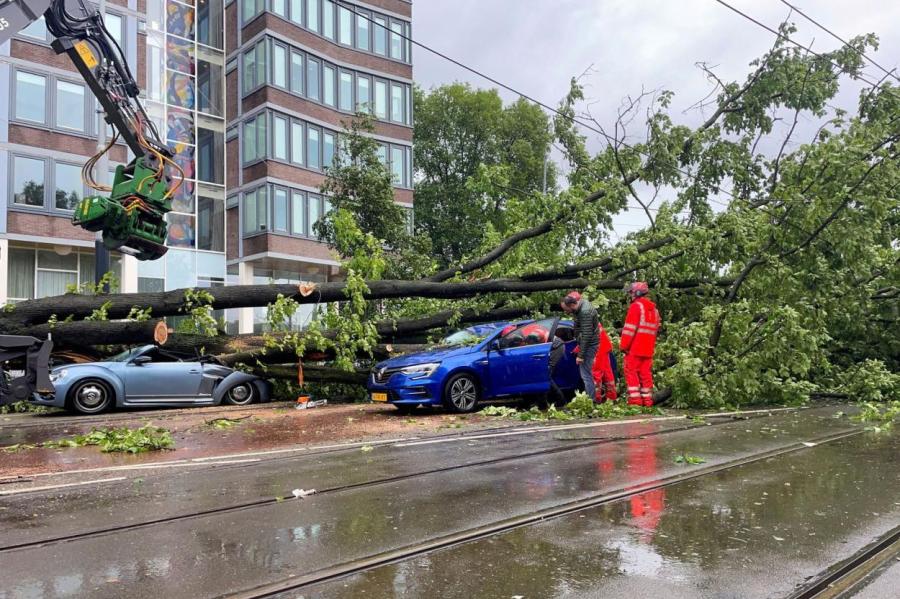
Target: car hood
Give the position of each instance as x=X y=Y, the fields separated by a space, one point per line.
x=425 y=357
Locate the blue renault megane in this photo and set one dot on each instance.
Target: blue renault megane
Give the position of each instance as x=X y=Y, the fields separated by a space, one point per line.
x=479 y=363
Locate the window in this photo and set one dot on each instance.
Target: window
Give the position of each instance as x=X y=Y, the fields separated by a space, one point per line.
x=255 y=138
x=312 y=79
x=297 y=12
x=312 y=15
x=279 y=209
x=345 y=23
x=298 y=213
x=55 y=273
x=328 y=85
x=382 y=154
x=150 y=285
x=279 y=138
x=328 y=19
x=279 y=65
x=312 y=147
x=28 y=181
x=397 y=166
x=250 y=8
x=31 y=104
x=37 y=30
x=255 y=211
x=345 y=92
x=327 y=149
x=396 y=40
x=209 y=24
x=296 y=72
x=297 y=142
x=362 y=30
x=381 y=100
x=396 y=103
x=20 y=273
x=279 y=8
x=116 y=27
x=210 y=224
x=69 y=188
x=254 y=67
x=380 y=34
x=315 y=213
x=362 y=94
x=70 y=105
x=210 y=88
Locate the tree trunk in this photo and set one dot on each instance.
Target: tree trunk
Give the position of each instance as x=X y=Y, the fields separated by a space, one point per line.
x=86 y=333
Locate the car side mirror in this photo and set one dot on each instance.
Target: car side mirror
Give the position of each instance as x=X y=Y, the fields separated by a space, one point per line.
x=495 y=345
x=141 y=360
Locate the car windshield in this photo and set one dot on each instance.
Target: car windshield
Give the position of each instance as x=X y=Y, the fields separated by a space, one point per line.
x=124 y=356
x=464 y=337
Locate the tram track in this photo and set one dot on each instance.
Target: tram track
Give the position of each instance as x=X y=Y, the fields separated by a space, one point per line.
x=717 y=420
x=298 y=582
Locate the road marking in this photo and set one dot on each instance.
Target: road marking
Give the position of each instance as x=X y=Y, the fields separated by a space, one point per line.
x=51 y=487
x=559 y=427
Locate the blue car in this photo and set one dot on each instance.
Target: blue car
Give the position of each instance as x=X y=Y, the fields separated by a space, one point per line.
x=149 y=376
x=479 y=363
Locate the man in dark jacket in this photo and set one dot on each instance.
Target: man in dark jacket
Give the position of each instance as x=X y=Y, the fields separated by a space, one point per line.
x=587 y=334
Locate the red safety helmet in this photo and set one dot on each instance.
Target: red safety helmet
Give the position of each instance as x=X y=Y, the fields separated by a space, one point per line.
x=572 y=298
x=507 y=330
x=638 y=288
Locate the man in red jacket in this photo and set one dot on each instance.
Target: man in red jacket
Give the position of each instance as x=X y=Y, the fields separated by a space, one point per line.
x=638 y=342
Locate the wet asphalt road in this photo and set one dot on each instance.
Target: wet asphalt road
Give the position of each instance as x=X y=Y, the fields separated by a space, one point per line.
x=717 y=529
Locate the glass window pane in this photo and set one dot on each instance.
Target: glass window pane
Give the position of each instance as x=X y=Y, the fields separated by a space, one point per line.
x=382 y=154
x=70 y=105
x=54 y=261
x=315 y=212
x=396 y=40
x=362 y=31
x=279 y=215
x=30 y=97
x=312 y=148
x=312 y=15
x=298 y=213
x=297 y=142
x=209 y=23
x=37 y=30
x=262 y=207
x=279 y=137
x=397 y=165
x=210 y=88
x=279 y=8
x=250 y=140
x=362 y=94
x=312 y=79
x=260 y=64
x=69 y=188
x=261 y=136
x=249 y=70
x=115 y=26
x=250 y=212
x=381 y=101
x=210 y=224
x=297 y=11
x=21 y=274
x=327 y=149
x=28 y=181
x=296 y=72
x=328 y=85
x=328 y=19
x=51 y=283
x=210 y=150
x=346 y=26
x=396 y=103
x=345 y=92
x=380 y=34
x=279 y=65
x=248 y=9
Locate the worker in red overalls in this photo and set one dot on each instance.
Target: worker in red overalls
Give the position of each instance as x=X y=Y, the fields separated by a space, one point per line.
x=638 y=342
x=602 y=369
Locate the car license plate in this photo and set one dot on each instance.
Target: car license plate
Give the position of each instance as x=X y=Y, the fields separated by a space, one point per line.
x=379 y=397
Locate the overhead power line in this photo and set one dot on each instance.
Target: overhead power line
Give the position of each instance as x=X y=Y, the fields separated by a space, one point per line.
x=862 y=54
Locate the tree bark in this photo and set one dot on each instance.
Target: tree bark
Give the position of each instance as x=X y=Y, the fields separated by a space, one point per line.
x=86 y=333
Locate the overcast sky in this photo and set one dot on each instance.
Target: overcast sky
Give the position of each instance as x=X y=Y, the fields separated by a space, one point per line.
x=536 y=46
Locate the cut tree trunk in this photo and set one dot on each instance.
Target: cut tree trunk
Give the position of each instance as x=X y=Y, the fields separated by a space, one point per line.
x=85 y=333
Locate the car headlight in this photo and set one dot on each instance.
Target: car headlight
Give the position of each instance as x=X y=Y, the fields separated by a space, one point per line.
x=58 y=375
x=420 y=371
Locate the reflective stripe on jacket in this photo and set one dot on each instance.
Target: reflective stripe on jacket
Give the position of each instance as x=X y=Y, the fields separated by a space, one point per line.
x=641 y=327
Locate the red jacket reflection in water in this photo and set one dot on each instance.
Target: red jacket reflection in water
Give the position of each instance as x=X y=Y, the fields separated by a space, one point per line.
x=647 y=507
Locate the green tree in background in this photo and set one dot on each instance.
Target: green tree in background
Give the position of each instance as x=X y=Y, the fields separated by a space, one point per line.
x=464 y=136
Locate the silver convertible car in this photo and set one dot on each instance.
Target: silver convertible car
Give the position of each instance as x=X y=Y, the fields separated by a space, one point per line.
x=149 y=376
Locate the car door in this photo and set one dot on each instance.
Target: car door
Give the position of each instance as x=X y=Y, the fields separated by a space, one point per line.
x=161 y=379
x=520 y=365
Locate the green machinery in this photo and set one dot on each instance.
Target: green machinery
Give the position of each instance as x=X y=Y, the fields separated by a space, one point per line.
x=133 y=217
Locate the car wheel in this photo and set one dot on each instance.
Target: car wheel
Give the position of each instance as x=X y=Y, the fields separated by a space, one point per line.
x=405 y=408
x=461 y=393
x=240 y=395
x=90 y=397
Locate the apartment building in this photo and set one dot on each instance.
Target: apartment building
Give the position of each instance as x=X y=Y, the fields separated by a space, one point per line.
x=249 y=94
